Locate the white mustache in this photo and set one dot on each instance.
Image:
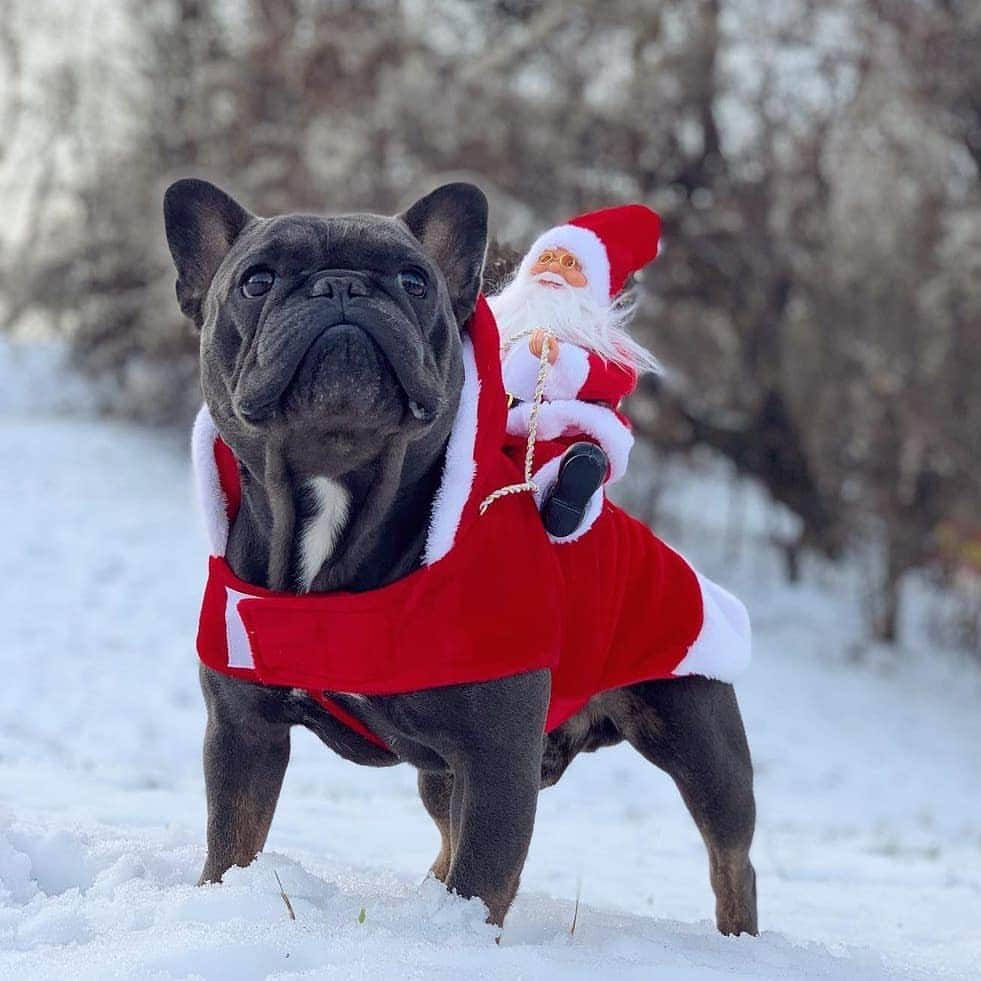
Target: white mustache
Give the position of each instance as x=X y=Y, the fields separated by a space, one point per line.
x=550 y=277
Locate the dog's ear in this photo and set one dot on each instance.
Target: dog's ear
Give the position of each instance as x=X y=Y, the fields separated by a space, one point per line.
x=451 y=224
x=202 y=222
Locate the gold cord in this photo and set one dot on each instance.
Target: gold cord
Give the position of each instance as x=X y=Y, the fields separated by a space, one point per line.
x=528 y=485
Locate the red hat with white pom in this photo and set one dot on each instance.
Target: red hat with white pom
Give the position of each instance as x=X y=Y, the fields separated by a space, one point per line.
x=610 y=244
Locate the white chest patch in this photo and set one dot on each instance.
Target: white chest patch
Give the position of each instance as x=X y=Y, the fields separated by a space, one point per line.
x=323 y=527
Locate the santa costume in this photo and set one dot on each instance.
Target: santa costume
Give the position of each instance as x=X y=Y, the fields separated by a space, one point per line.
x=492 y=596
x=583 y=387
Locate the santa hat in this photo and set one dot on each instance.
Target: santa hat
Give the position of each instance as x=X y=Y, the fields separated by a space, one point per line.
x=611 y=244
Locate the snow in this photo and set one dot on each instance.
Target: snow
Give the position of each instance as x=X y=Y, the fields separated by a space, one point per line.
x=868 y=848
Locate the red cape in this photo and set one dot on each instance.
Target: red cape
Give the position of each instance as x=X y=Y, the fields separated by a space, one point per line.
x=493 y=598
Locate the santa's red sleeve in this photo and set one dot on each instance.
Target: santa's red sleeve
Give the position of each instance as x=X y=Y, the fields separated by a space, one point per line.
x=575 y=374
x=607 y=381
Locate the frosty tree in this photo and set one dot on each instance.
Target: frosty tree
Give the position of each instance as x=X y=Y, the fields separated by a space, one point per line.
x=816 y=165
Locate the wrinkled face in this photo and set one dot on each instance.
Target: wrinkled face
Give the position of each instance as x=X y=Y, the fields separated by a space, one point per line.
x=340 y=325
x=557 y=266
x=328 y=336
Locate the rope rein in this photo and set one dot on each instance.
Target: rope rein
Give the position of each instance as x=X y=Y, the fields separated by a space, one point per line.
x=528 y=485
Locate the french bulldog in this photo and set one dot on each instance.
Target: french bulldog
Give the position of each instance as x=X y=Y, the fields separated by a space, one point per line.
x=331 y=364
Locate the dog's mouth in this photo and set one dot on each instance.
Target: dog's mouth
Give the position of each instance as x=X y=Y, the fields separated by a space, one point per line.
x=344 y=375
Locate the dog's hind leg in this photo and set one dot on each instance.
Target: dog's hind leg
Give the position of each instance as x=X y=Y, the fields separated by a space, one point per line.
x=436 y=790
x=691 y=728
x=245 y=758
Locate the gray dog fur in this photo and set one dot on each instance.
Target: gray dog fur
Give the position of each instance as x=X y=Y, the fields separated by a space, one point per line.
x=336 y=390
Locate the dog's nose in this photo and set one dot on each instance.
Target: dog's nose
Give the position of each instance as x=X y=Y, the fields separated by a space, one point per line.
x=340 y=285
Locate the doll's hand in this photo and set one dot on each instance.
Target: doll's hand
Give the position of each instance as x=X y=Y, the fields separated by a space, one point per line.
x=537 y=341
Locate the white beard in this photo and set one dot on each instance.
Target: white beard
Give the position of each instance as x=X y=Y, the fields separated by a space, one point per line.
x=572 y=315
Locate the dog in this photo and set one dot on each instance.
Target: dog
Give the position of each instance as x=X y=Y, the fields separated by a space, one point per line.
x=332 y=366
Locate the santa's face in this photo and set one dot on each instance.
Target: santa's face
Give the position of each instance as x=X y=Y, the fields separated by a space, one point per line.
x=541 y=296
x=557 y=266
x=551 y=292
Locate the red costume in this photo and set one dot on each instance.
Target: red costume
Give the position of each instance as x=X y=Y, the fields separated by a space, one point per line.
x=493 y=597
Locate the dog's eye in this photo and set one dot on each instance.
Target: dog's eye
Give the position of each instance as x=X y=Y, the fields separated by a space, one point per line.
x=414 y=283
x=257 y=282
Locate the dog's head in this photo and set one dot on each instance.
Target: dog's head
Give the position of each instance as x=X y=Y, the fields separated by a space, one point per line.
x=329 y=337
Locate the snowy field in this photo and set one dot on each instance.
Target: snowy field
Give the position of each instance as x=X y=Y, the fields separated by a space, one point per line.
x=868 y=848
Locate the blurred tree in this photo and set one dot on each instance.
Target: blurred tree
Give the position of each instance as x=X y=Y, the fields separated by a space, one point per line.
x=816 y=164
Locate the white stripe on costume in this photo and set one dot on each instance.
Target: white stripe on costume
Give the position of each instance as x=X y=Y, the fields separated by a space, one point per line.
x=239 y=649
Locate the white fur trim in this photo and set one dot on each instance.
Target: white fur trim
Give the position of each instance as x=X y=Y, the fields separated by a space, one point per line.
x=568 y=374
x=239 y=649
x=587 y=247
x=323 y=527
x=723 y=647
x=211 y=499
x=520 y=372
x=570 y=417
x=459 y=468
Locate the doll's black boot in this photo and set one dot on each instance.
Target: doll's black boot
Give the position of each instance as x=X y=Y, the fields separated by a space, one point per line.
x=583 y=469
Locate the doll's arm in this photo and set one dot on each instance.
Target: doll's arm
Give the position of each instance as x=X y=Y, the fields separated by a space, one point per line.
x=607 y=382
x=565 y=376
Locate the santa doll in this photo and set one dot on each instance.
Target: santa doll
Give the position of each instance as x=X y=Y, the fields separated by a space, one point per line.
x=566 y=302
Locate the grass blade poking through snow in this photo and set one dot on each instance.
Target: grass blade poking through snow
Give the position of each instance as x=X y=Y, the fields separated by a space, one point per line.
x=575 y=912
x=286 y=899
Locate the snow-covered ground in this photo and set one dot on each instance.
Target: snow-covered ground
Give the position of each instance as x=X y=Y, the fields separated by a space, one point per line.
x=868 y=848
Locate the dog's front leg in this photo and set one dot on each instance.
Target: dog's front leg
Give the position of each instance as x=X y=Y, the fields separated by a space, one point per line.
x=496 y=764
x=245 y=758
x=492 y=812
